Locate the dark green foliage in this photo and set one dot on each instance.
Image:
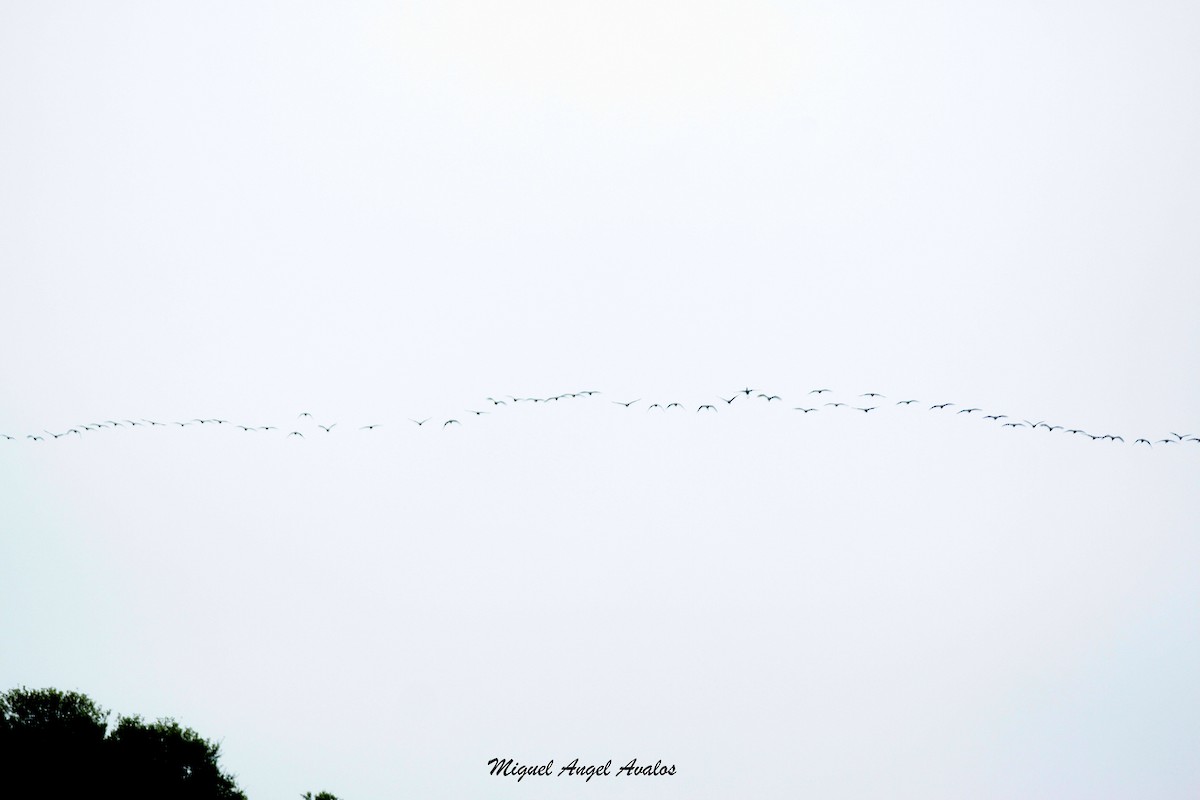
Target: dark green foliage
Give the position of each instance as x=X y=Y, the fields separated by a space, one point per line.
x=54 y=744
x=318 y=796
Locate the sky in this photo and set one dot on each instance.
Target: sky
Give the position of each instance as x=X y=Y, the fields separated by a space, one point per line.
x=375 y=212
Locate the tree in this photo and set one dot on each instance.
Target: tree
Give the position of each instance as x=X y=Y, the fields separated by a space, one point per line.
x=57 y=744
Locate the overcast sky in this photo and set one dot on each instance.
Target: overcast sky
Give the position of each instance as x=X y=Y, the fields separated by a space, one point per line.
x=377 y=212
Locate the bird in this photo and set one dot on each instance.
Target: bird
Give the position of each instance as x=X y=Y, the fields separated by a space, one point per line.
x=872 y=394
x=420 y=421
x=701 y=408
x=327 y=428
x=1147 y=441
x=496 y=402
x=770 y=397
x=1013 y=425
x=303 y=414
x=805 y=410
x=728 y=400
x=6 y=436
x=865 y=410
x=590 y=392
x=368 y=427
x=451 y=421
x=1034 y=424
x=969 y=410
x=674 y=405
x=296 y=433
x=36 y=438
x=654 y=406
x=1180 y=436
x=819 y=391
x=995 y=416
x=835 y=405
x=747 y=391
x=1076 y=430
x=907 y=402
x=627 y=405
x=942 y=405
x=478 y=413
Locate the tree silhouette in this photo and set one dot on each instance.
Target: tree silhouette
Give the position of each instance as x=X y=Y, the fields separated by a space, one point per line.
x=57 y=744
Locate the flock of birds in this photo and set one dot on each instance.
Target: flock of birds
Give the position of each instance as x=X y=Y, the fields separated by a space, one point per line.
x=816 y=401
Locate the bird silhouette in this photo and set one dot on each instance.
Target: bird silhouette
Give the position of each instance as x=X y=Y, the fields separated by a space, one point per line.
x=701 y=408
x=420 y=421
x=451 y=422
x=805 y=410
x=327 y=428
x=627 y=405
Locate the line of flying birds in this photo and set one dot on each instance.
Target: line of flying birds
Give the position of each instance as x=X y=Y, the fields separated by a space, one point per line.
x=874 y=401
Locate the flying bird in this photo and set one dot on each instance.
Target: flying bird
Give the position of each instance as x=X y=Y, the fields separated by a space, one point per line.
x=805 y=410
x=627 y=405
x=872 y=394
x=942 y=405
x=865 y=410
x=701 y=408
x=818 y=391
x=420 y=421
x=296 y=433
x=327 y=428
x=451 y=421
x=906 y=402
x=368 y=427
x=770 y=397
x=728 y=400
x=969 y=410
x=835 y=405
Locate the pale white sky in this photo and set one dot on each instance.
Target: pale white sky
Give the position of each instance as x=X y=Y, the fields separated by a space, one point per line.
x=381 y=211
